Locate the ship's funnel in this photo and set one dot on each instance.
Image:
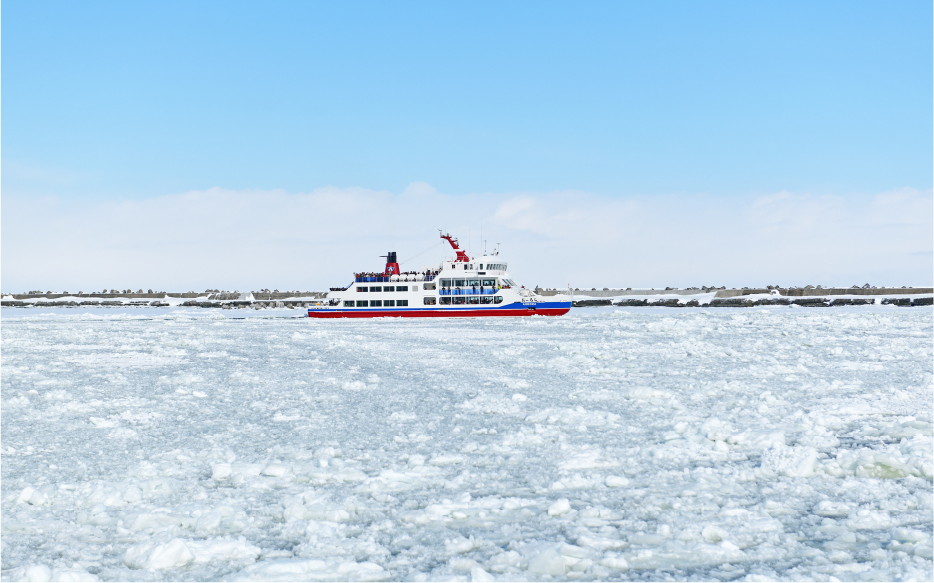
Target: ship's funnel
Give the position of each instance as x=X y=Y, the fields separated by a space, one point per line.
x=392 y=266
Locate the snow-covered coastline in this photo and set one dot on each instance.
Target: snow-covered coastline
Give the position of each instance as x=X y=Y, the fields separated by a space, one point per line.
x=193 y=300
x=712 y=299
x=692 y=297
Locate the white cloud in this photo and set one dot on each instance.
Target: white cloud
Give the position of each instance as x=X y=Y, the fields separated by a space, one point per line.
x=252 y=239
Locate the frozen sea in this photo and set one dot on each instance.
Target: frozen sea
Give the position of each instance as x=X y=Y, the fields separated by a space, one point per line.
x=609 y=444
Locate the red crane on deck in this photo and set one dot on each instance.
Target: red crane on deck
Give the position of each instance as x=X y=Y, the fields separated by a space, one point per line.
x=461 y=256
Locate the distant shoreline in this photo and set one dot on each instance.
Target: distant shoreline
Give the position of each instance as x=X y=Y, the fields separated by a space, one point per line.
x=208 y=299
x=749 y=303
x=749 y=297
x=669 y=297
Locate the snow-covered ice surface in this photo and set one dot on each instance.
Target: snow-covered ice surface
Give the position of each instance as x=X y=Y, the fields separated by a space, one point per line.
x=650 y=444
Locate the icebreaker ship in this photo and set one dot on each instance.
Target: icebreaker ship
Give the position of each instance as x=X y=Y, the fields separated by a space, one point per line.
x=460 y=287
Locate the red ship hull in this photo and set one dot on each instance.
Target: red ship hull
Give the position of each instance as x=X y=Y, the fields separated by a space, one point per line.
x=438 y=313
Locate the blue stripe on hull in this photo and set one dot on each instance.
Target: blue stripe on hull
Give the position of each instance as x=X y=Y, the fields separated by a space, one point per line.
x=465 y=307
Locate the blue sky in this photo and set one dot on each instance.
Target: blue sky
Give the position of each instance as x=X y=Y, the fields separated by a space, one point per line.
x=137 y=99
x=110 y=102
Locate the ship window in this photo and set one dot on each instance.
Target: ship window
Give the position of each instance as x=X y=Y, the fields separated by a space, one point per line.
x=376 y=303
x=460 y=282
x=473 y=283
x=376 y=289
x=445 y=283
x=488 y=282
x=363 y=289
x=486 y=299
x=348 y=304
x=459 y=300
x=389 y=303
x=361 y=303
x=446 y=300
x=498 y=300
x=473 y=299
x=430 y=301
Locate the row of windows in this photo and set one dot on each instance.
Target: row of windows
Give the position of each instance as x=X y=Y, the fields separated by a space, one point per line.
x=471 y=300
x=375 y=303
x=429 y=301
x=486 y=282
x=469 y=291
x=445 y=283
x=467 y=282
x=494 y=266
x=387 y=288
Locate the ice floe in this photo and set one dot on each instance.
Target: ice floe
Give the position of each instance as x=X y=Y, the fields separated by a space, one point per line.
x=625 y=444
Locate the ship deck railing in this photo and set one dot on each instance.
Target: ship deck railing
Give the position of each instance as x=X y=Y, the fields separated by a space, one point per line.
x=468 y=291
x=388 y=279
